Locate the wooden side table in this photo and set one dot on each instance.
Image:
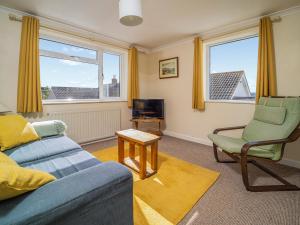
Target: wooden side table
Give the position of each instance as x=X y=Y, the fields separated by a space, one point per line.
x=141 y=139
x=157 y=131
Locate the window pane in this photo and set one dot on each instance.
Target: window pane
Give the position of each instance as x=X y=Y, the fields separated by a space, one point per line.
x=64 y=79
x=233 y=69
x=67 y=49
x=111 y=75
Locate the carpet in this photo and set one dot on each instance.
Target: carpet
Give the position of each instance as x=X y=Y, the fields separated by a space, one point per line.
x=166 y=197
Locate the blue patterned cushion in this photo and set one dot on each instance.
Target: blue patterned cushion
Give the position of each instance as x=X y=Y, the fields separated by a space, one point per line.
x=43 y=148
x=64 y=164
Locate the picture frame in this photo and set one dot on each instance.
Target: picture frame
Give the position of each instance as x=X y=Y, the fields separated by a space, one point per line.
x=169 y=68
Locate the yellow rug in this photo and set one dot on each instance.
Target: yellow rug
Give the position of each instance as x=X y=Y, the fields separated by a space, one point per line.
x=166 y=197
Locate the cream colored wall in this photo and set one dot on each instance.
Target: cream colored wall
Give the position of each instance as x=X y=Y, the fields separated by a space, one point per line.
x=287 y=48
x=181 y=120
x=184 y=122
x=9 y=60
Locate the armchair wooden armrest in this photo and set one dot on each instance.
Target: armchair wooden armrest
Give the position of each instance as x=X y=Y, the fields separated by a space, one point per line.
x=228 y=128
x=293 y=137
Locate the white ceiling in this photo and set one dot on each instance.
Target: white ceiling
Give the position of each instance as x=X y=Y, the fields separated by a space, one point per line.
x=165 y=21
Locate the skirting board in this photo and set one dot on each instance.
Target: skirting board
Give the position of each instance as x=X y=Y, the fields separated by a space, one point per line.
x=290 y=162
x=187 y=137
x=284 y=161
x=98 y=140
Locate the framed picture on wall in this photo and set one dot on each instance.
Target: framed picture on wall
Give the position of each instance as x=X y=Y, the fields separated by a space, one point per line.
x=168 y=68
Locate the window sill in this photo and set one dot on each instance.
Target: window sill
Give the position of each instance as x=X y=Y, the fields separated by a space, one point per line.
x=231 y=101
x=63 y=102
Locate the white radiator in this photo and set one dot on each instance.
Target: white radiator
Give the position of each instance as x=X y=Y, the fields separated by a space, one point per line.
x=85 y=126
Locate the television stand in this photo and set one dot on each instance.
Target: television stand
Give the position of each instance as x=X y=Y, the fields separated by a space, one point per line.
x=158 y=121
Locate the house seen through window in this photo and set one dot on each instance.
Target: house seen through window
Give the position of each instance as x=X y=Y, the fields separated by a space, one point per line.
x=233 y=69
x=75 y=73
x=111 y=75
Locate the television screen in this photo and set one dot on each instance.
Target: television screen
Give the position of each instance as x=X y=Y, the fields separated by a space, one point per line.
x=148 y=108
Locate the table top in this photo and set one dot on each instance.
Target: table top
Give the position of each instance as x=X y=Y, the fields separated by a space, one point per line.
x=138 y=136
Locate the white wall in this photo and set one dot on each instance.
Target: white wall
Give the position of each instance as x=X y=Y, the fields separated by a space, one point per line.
x=9 y=60
x=241 y=90
x=183 y=121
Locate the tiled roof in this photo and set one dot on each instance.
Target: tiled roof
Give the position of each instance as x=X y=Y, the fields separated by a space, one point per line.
x=75 y=92
x=223 y=85
x=55 y=92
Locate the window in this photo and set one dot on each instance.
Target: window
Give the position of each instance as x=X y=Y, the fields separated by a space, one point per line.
x=232 y=69
x=111 y=75
x=71 y=73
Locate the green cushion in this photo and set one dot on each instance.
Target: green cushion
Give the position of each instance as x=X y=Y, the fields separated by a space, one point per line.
x=268 y=114
x=234 y=145
x=49 y=128
x=261 y=131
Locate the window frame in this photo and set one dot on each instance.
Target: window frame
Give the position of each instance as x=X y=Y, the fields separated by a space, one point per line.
x=238 y=36
x=100 y=49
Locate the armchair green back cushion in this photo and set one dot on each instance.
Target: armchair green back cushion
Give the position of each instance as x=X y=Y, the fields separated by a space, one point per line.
x=273 y=123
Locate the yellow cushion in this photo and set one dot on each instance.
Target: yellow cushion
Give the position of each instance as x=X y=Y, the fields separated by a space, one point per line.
x=16 y=180
x=15 y=130
x=5 y=159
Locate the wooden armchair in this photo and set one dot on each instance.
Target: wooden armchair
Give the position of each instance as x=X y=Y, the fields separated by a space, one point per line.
x=276 y=122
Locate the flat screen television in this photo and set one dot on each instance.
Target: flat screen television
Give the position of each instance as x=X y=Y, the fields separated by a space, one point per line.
x=148 y=108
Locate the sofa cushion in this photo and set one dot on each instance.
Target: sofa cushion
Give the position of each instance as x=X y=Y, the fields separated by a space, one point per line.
x=49 y=128
x=15 y=180
x=14 y=131
x=41 y=149
x=64 y=164
x=7 y=160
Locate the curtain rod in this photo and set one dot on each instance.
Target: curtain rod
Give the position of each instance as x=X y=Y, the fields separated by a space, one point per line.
x=16 y=18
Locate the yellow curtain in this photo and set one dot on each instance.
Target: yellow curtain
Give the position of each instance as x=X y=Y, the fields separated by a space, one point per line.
x=266 y=73
x=133 y=81
x=198 y=97
x=29 y=87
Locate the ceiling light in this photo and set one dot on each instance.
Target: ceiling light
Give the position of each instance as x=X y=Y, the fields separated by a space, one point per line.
x=130 y=12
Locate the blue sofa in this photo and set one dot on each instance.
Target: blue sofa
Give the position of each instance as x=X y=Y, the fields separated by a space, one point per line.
x=86 y=191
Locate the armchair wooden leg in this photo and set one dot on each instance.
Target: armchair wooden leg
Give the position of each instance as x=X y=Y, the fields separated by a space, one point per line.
x=244 y=168
x=264 y=188
x=243 y=160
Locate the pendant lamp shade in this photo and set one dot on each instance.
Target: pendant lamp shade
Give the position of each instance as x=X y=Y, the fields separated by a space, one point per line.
x=130 y=12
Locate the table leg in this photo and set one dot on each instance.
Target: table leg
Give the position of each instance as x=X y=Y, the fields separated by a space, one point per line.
x=131 y=150
x=154 y=150
x=120 y=150
x=143 y=161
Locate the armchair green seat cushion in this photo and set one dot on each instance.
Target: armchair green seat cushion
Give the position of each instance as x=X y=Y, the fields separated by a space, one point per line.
x=234 y=145
x=274 y=118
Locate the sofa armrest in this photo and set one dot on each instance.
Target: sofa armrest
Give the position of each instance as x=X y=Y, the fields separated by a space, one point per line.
x=98 y=195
